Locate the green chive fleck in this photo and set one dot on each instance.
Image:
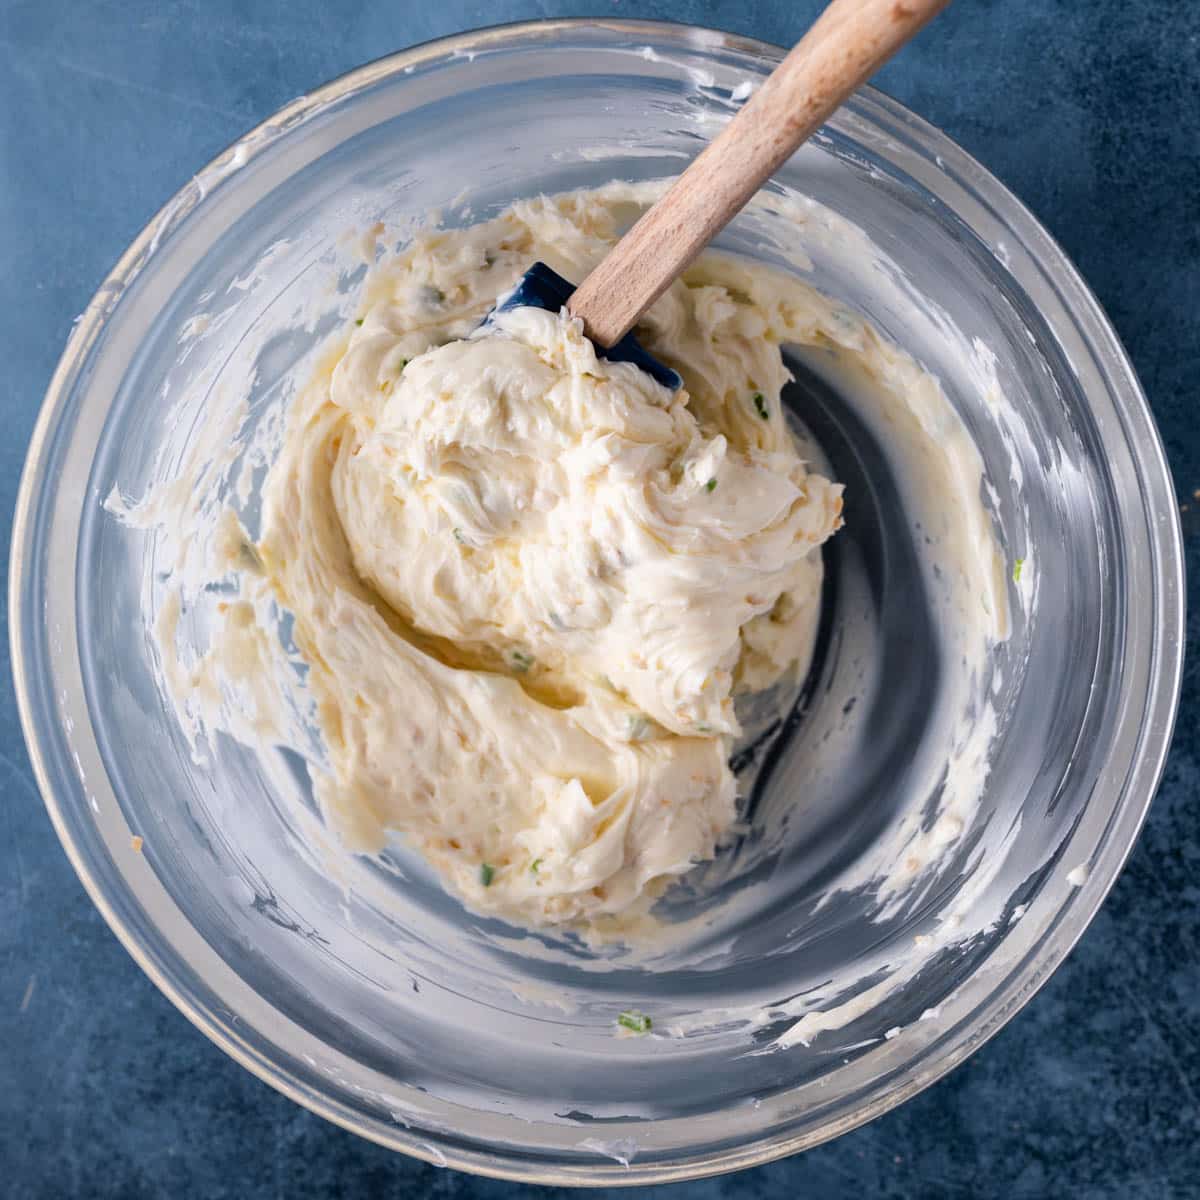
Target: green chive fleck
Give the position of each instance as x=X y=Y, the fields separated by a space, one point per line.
x=760 y=405
x=637 y=727
x=711 y=485
x=635 y=1021
x=359 y=321
x=458 y=537
x=249 y=558
x=486 y=874
x=1017 y=570
x=533 y=866
x=521 y=662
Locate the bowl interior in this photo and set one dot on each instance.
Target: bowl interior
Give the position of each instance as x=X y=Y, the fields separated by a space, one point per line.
x=356 y=983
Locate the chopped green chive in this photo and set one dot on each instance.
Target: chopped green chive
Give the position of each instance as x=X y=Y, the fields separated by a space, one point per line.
x=704 y=727
x=486 y=874
x=533 y=866
x=359 y=321
x=1017 y=570
x=458 y=537
x=710 y=485
x=637 y=727
x=634 y=1021
x=521 y=662
x=760 y=405
x=249 y=557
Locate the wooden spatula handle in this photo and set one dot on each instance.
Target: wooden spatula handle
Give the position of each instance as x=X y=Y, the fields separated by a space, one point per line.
x=849 y=42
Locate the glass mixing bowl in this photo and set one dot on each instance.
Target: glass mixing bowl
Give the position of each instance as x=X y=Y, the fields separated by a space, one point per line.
x=365 y=992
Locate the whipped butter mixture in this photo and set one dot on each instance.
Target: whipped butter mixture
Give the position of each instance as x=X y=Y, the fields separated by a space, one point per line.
x=525 y=584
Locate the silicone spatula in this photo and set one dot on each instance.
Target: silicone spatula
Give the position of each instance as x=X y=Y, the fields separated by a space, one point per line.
x=847 y=44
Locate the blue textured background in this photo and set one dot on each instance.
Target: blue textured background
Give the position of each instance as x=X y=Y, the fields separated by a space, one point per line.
x=1089 y=110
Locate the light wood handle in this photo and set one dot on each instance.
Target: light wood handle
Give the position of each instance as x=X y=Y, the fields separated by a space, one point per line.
x=847 y=44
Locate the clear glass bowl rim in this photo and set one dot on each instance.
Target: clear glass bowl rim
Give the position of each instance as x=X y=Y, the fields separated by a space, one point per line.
x=1154 y=722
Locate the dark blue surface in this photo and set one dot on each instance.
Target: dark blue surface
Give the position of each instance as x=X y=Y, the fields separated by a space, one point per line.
x=1090 y=111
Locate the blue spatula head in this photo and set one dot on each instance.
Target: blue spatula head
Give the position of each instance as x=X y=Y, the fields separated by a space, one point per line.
x=540 y=287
